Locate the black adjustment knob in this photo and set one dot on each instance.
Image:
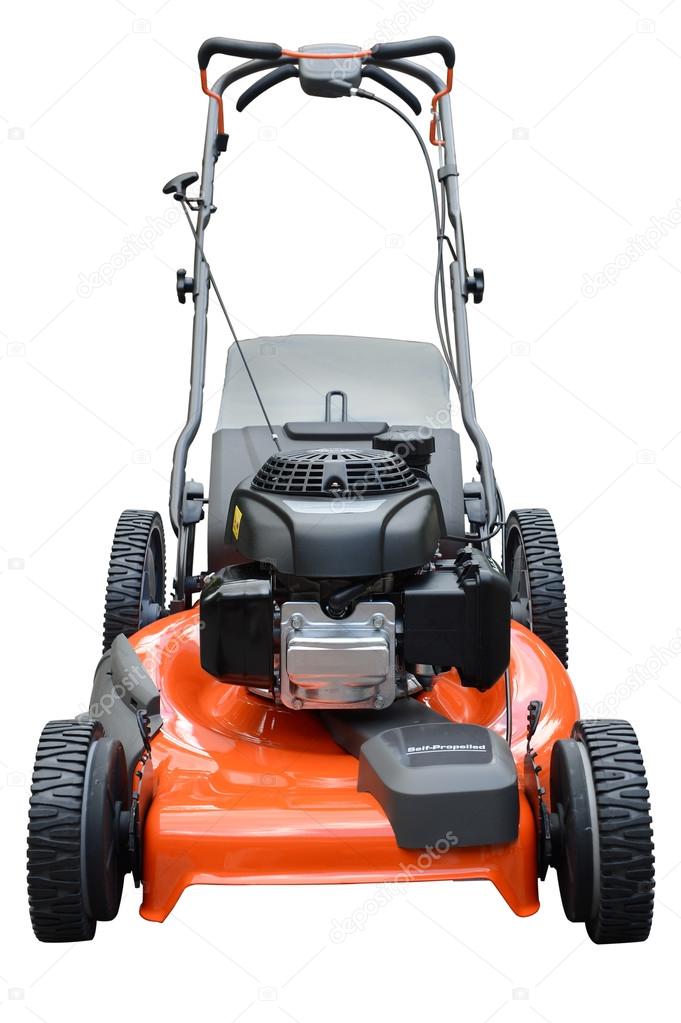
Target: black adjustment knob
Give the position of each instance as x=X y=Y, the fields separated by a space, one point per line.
x=184 y=285
x=412 y=446
x=475 y=285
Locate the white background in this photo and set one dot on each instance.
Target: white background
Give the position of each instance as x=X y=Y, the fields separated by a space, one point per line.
x=567 y=130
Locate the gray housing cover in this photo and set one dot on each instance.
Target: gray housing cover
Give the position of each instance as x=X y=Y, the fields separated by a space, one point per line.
x=122 y=687
x=436 y=780
x=443 y=782
x=331 y=77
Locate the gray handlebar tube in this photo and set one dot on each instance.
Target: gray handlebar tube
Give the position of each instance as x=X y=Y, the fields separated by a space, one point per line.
x=200 y=325
x=461 y=339
x=459 y=292
x=199 y=329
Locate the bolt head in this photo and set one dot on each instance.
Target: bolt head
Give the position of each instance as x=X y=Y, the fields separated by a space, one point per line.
x=296 y=621
x=379 y=702
x=297 y=703
x=378 y=621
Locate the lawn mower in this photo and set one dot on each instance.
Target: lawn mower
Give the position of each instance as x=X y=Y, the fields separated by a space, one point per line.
x=350 y=688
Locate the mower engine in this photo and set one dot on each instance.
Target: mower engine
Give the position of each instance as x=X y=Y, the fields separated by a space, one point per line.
x=340 y=599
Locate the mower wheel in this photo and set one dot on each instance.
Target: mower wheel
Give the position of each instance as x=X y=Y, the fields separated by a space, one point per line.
x=601 y=831
x=534 y=568
x=135 y=588
x=77 y=849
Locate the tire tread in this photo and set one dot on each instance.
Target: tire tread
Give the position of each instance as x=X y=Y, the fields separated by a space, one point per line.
x=126 y=570
x=547 y=583
x=627 y=876
x=55 y=895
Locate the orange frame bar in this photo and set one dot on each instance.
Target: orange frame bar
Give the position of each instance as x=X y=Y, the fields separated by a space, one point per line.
x=435 y=141
x=359 y=55
x=216 y=96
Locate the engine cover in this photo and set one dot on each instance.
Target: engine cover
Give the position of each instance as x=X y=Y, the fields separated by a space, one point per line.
x=336 y=514
x=347 y=664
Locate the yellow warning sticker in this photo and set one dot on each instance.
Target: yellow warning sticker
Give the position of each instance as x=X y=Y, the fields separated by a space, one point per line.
x=236 y=521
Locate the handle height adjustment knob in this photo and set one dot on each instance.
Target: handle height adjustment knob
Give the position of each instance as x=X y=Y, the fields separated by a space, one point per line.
x=475 y=285
x=184 y=285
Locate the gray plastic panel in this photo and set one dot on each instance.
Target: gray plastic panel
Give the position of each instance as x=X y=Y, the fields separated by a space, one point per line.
x=437 y=781
x=121 y=687
x=443 y=782
x=330 y=77
x=391 y=381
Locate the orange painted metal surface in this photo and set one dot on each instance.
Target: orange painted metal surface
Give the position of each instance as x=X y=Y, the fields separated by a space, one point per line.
x=216 y=96
x=249 y=793
x=434 y=140
x=298 y=55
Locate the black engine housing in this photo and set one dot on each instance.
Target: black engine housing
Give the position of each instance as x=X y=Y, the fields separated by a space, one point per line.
x=336 y=514
x=334 y=528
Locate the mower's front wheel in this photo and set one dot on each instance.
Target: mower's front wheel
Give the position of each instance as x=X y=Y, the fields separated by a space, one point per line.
x=136 y=581
x=77 y=851
x=601 y=831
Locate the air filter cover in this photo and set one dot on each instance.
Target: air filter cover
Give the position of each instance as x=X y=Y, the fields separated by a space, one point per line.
x=325 y=472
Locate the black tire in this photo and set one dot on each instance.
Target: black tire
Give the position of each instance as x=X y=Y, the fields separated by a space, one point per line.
x=77 y=831
x=534 y=568
x=626 y=879
x=601 y=831
x=136 y=581
x=55 y=889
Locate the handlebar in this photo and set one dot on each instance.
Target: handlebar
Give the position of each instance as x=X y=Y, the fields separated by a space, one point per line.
x=380 y=53
x=272 y=51
x=236 y=48
x=415 y=48
x=377 y=74
x=286 y=71
x=279 y=74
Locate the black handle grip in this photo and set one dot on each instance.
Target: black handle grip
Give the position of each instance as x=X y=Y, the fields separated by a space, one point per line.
x=236 y=48
x=280 y=74
x=377 y=74
x=415 y=48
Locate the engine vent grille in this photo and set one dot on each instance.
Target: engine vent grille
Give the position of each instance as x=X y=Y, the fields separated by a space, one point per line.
x=334 y=473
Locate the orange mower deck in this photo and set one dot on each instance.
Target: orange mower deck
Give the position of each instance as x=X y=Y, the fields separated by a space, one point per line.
x=249 y=793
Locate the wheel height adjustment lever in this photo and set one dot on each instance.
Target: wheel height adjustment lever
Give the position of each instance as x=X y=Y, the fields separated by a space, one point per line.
x=536 y=792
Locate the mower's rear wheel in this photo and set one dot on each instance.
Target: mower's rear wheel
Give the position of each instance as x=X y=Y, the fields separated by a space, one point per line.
x=76 y=860
x=603 y=843
x=535 y=571
x=135 y=588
